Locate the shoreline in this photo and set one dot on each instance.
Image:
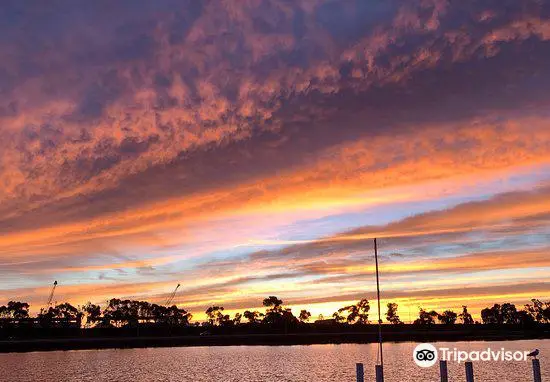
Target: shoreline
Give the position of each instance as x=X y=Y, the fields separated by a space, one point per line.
x=125 y=342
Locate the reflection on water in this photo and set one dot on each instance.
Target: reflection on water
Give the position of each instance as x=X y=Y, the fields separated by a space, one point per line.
x=317 y=363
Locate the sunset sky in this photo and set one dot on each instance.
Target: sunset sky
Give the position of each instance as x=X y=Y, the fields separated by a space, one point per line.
x=255 y=147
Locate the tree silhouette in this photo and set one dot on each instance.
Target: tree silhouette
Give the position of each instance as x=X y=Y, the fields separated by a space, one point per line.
x=46 y=316
x=119 y=313
x=132 y=313
x=364 y=308
x=540 y=311
x=426 y=318
x=216 y=317
x=238 y=318
x=391 y=314
x=448 y=317
x=69 y=312
x=4 y=312
x=273 y=303
x=358 y=313
x=253 y=317
x=15 y=309
x=288 y=317
x=337 y=316
x=466 y=317
x=509 y=313
x=172 y=315
x=525 y=318
x=92 y=313
x=506 y=313
x=62 y=314
x=492 y=315
x=276 y=315
x=274 y=311
x=351 y=311
x=304 y=315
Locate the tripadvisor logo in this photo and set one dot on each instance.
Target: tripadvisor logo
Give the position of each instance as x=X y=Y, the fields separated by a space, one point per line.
x=425 y=355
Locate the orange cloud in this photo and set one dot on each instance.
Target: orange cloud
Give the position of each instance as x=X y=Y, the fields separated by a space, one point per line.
x=127 y=115
x=341 y=177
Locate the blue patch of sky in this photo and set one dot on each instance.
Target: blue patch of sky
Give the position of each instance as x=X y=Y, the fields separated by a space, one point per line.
x=312 y=229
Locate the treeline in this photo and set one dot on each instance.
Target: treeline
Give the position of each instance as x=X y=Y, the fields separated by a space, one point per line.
x=118 y=313
x=132 y=313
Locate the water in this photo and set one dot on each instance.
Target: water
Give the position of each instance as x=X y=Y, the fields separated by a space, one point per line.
x=317 y=363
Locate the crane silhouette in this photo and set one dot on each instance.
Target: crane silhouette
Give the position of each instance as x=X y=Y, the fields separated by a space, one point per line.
x=172 y=295
x=50 y=298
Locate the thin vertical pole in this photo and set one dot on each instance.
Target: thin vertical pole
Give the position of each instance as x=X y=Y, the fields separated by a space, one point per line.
x=379 y=311
x=443 y=371
x=379 y=373
x=536 y=370
x=360 y=372
x=469 y=372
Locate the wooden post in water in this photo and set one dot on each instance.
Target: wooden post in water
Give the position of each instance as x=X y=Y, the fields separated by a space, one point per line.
x=379 y=373
x=536 y=371
x=360 y=372
x=469 y=372
x=443 y=371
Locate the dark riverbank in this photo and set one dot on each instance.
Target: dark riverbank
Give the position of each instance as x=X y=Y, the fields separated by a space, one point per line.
x=90 y=339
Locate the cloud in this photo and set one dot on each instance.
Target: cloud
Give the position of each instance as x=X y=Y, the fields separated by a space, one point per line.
x=467 y=232
x=504 y=216
x=160 y=82
x=374 y=170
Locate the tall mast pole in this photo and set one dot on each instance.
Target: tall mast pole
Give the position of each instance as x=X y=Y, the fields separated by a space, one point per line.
x=379 y=312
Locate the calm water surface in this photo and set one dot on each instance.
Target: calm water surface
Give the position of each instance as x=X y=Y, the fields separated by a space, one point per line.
x=317 y=363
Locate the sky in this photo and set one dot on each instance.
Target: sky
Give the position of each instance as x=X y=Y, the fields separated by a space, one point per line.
x=253 y=148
